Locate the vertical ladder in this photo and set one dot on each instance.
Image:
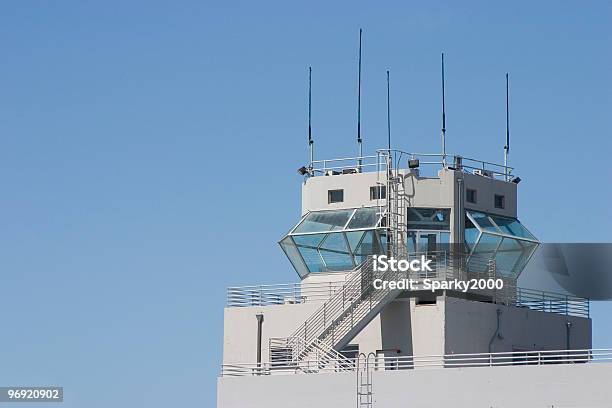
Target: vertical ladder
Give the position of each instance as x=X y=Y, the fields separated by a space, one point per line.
x=364 y=381
x=397 y=207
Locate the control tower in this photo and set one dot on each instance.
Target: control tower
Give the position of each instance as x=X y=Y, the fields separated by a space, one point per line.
x=336 y=339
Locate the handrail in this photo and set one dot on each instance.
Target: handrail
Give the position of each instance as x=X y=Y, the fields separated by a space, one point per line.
x=342 y=312
x=378 y=162
x=466 y=360
x=279 y=294
x=297 y=293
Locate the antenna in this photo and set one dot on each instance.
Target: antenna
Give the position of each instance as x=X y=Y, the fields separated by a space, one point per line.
x=443 y=118
x=507 y=146
x=310 y=141
x=359 y=105
x=388 y=116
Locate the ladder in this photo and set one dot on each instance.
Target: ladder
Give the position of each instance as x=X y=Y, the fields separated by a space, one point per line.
x=364 y=381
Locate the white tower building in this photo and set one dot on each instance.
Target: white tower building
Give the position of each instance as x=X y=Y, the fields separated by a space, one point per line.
x=338 y=339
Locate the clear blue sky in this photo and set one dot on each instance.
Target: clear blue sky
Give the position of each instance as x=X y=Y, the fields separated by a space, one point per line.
x=148 y=156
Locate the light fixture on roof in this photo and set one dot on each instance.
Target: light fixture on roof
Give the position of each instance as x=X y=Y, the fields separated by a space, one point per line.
x=303 y=170
x=516 y=180
x=413 y=164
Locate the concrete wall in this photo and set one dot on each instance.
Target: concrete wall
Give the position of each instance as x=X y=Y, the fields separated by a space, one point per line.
x=450 y=326
x=428 y=327
x=576 y=386
x=240 y=328
x=470 y=326
x=396 y=329
x=356 y=191
x=429 y=192
x=486 y=189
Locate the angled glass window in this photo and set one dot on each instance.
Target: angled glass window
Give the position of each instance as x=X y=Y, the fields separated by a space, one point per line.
x=368 y=246
x=471 y=233
x=323 y=221
x=499 y=241
x=354 y=238
x=511 y=226
x=337 y=240
x=428 y=219
x=364 y=218
x=294 y=256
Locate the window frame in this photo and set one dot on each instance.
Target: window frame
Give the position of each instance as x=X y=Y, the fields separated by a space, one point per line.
x=330 y=194
x=380 y=190
x=467 y=195
x=503 y=201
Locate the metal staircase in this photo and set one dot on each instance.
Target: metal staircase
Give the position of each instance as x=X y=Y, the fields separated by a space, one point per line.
x=354 y=305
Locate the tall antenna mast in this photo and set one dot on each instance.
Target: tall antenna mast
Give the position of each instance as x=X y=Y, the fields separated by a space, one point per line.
x=443 y=118
x=507 y=146
x=359 y=105
x=388 y=116
x=310 y=141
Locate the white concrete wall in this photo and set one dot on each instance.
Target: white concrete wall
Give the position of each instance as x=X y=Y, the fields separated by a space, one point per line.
x=559 y=386
x=240 y=329
x=486 y=189
x=356 y=191
x=470 y=326
x=428 y=328
x=450 y=326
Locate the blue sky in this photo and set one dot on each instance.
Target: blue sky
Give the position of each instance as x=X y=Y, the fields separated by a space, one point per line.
x=148 y=156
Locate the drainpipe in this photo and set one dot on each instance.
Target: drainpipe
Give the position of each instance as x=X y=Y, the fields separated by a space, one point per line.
x=260 y=319
x=496 y=334
x=460 y=216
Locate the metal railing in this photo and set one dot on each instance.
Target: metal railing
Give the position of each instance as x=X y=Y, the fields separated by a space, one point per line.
x=281 y=294
x=318 y=351
x=552 y=302
x=445 y=267
x=514 y=358
x=353 y=305
x=378 y=162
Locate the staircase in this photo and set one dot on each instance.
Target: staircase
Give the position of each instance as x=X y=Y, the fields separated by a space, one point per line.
x=340 y=318
x=318 y=358
x=353 y=306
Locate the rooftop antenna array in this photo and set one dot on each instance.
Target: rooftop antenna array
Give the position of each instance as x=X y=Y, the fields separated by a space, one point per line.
x=507 y=146
x=310 y=141
x=359 y=141
x=388 y=116
x=443 y=118
x=309 y=171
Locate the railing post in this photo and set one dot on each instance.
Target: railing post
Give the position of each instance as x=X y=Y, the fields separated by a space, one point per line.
x=324 y=314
